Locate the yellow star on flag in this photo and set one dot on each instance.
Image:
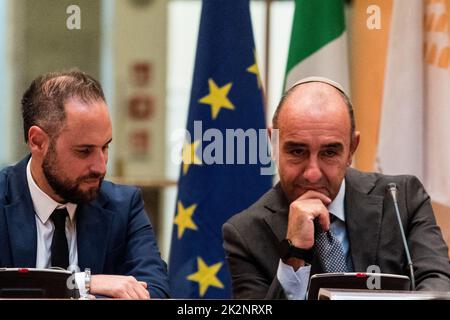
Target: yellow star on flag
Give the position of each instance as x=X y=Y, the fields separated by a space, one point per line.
x=189 y=155
x=184 y=218
x=255 y=69
x=206 y=276
x=217 y=98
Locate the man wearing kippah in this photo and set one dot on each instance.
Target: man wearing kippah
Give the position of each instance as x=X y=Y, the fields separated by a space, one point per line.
x=324 y=216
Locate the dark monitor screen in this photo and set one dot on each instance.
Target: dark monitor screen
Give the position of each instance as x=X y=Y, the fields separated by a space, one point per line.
x=355 y=280
x=36 y=283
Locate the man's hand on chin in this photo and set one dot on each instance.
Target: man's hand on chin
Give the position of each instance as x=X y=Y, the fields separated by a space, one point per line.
x=119 y=287
x=302 y=212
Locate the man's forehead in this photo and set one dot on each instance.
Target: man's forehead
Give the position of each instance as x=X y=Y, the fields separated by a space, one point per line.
x=75 y=138
x=87 y=124
x=308 y=108
x=75 y=105
x=314 y=114
x=314 y=129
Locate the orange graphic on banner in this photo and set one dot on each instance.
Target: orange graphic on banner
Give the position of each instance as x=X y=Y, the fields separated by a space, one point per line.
x=437 y=30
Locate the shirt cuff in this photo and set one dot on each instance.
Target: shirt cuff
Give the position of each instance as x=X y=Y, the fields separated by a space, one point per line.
x=79 y=280
x=294 y=283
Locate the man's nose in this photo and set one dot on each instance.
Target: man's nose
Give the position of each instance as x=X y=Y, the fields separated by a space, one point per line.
x=99 y=162
x=313 y=172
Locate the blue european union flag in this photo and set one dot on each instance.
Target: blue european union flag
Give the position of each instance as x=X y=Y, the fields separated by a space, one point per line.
x=221 y=159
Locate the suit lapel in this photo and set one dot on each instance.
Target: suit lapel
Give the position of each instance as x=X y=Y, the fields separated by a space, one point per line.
x=363 y=219
x=278 y=210
x=278 y=224
x=22 y=233
x=20 y=218
x=93 y=226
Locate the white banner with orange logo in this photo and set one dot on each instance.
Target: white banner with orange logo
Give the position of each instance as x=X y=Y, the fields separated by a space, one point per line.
x=415 y=121
x=437 y=100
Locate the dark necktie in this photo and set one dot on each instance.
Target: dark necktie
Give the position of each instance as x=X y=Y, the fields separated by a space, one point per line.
x=59 y=248
x=329 y=251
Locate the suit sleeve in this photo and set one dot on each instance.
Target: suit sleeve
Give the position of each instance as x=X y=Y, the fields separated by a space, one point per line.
x=429 y=251
x=249 y=280
x=143 y=259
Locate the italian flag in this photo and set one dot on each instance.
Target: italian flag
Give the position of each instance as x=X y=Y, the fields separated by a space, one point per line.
x=318 y=44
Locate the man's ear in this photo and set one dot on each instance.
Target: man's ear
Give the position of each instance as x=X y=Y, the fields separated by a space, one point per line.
x=354 y=145
x=38 y=141
x=274 y=139
x=355 y=142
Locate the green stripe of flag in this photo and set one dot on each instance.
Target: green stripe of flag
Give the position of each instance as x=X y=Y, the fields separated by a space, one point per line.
x=316 y=23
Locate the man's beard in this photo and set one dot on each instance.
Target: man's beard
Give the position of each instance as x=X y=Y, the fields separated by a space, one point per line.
x=68 y=190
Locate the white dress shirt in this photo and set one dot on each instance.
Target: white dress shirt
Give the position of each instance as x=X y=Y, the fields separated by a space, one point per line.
x=43 y=207
x=295 y=283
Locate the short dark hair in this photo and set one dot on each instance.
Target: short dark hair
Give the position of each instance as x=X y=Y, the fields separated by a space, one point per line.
x=344 y=96
x=43 y=101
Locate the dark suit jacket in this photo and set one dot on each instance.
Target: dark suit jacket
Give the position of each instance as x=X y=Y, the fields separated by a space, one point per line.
x=114 y=233
x=251 y=237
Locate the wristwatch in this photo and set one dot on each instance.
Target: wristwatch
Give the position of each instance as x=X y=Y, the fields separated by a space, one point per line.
x=287 y=250
x=87 y=280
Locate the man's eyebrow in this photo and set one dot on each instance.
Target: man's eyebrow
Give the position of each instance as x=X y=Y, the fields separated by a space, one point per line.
x=333 y=145
x=91 y=145
x=293 y=144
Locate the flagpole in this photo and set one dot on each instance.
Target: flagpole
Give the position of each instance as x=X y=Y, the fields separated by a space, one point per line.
x=267 y=58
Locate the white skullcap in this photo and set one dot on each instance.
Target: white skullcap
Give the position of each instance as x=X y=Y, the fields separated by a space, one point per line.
x=319 y=79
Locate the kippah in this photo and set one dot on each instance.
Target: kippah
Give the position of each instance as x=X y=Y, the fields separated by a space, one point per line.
x=319 y=79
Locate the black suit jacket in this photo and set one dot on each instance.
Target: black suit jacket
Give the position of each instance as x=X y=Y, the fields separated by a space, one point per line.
x=251 y=237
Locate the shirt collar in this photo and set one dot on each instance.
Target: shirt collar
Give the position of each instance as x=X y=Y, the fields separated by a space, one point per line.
x=336 y=207
x=43 y=204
